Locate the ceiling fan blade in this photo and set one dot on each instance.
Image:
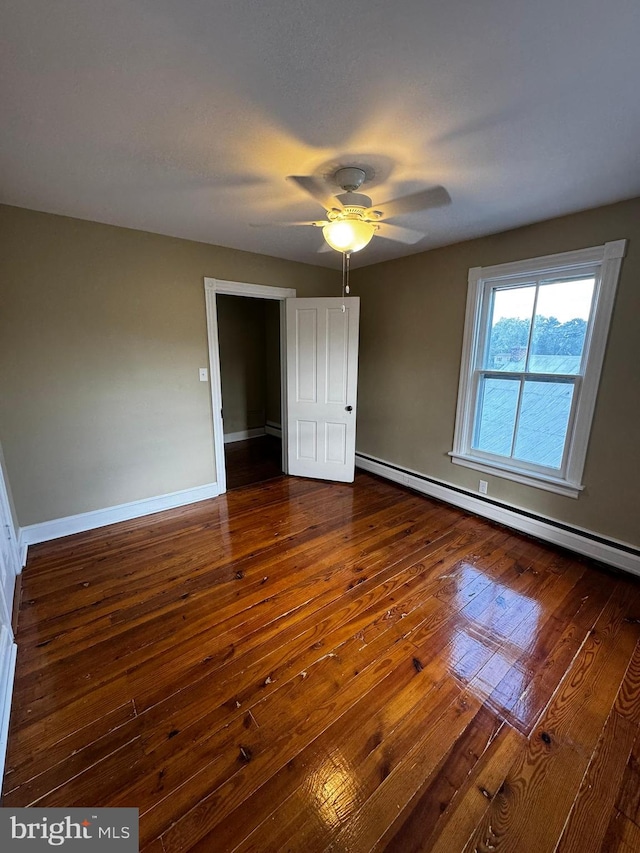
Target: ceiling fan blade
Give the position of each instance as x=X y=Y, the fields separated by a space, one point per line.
x=319 y=223
x=400 y=235
x=423 y=200
x=316 y=190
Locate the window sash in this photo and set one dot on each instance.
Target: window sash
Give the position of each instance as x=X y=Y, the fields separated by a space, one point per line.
x=522 y=377
x=537 y=280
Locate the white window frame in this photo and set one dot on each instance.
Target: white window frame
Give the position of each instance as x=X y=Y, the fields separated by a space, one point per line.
x=602 y=261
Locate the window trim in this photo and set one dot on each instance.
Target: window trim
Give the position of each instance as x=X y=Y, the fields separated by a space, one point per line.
x=608 y=258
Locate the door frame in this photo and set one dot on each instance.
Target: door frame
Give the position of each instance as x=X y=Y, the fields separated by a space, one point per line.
x=8 y=531
x=213 y=287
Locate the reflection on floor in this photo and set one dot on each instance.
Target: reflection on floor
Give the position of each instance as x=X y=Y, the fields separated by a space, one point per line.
x=253 y=461
x=310 y=666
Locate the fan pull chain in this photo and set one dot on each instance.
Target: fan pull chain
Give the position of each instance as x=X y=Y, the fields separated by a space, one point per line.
x=346 y=259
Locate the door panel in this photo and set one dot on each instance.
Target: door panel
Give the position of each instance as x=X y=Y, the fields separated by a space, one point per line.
x=336 y=443
x=337 y=356
x=307 y=440
x=306 y=355
x=322 y=366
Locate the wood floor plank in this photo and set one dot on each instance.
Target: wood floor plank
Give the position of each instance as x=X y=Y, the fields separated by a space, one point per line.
x=273 y=742
x=203 y=567
x=628 y=699
x=623 y=836
x=432 y=641
x=471 y=802
x=351 y=758
x=313 y=635
x=143 y=642
x=407 y=832
x=154 y=847
x=380 y=769
x=223 y=570
x=32 y=752
x=628 y=795
x=530 y=811
x=591 y=812
x=72 y=764
x=203 y=555
x=370 y=822
x=513 y=680
x=312 y=666
x=86 y=713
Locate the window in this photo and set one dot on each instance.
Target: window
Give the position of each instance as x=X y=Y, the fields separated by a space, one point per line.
x=534 y=341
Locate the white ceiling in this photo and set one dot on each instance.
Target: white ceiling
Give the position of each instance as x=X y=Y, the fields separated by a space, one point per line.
x=184 y=117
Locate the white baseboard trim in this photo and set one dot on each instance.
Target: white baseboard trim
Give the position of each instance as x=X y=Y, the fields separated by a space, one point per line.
x=23 y=554
x=243 y=435
x=57 y=527
x=6 y=694
x=273 y=429
x=574 y=539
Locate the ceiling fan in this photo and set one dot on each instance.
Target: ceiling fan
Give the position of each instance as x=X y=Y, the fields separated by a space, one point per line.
x=352 y=219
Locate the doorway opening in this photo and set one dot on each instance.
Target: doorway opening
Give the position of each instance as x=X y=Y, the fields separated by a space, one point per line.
x=247 y=356
x=249 y=349
x=253 y=460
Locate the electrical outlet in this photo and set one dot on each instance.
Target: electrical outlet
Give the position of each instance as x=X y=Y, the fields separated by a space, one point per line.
x=483 y=487
x=204 y=374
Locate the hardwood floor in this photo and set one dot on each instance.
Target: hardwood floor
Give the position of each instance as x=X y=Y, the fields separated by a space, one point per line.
x=304 y=666
x=253 y=461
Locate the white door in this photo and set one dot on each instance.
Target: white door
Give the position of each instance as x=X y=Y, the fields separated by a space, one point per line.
x=322 y=385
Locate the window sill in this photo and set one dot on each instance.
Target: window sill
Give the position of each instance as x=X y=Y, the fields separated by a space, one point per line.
x=528 y=478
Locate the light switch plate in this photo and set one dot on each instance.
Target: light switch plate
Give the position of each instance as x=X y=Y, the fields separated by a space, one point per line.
x=204 y=374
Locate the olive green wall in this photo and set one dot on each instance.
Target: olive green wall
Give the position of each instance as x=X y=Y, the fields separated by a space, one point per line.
x=102 y=332
x=411 y=327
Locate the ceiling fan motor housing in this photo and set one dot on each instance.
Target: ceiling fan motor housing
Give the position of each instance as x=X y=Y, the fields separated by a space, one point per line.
x=350 y=178
x=358 y=201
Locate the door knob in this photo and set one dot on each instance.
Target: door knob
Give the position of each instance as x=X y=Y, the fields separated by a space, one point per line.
x=348 y=408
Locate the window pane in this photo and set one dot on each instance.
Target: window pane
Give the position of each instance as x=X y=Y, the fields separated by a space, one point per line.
x=497 y=404
x=509 y=324
x=544 y=418
x=560 y=325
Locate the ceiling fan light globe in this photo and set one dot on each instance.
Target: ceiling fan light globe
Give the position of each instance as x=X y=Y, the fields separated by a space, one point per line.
x=348 y=235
